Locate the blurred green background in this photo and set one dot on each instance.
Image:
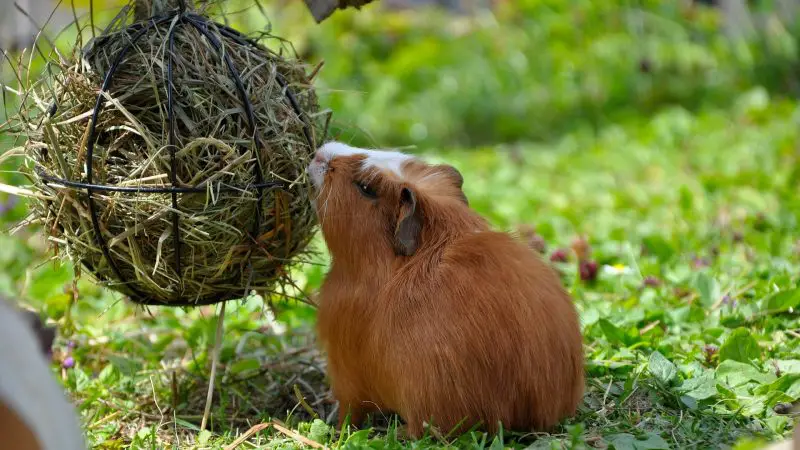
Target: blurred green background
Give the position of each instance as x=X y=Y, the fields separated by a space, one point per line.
x=671 y=145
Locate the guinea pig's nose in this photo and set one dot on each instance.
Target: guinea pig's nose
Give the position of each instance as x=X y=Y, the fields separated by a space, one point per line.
x=319 y=157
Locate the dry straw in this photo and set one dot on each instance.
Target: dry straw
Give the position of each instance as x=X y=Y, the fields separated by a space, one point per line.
x=167 y=157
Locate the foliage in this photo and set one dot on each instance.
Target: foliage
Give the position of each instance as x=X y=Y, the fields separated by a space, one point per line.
x=534 y=69
x=683 y=179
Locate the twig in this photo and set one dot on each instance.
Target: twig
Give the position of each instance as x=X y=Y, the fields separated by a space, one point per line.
x=303 y=403
x=278 y=426
x=214 y=362
x=736 y=294
x=649 y=327
x=299 y=438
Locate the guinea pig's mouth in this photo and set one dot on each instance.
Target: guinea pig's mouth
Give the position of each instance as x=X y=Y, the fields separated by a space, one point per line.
x=316 y=172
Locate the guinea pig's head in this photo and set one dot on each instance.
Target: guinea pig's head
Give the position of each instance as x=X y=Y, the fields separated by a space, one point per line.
x=374 y=203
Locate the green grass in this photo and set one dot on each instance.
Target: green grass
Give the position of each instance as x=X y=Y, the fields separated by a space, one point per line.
x=704 y=203
x=684 y=183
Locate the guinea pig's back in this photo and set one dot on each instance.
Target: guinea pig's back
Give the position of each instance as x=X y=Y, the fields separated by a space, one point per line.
x=527 y=317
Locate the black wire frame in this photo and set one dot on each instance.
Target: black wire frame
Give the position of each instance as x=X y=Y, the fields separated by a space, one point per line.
x=201 y=24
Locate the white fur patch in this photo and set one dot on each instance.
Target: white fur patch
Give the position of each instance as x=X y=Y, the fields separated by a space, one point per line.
x=380 y=159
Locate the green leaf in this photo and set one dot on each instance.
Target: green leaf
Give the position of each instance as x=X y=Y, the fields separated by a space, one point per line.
x=613 y=333
x=203 y=437
x=244 y=365
x=186 y=424
x=626 y=441
x=622 y=441
x=751 y=444
x=143 y=433
x=754 y=406
x=778 y=424
x=358 y=439
x=729 y=398
x=740 y=346
x=662 y=368
x=701 y=387
x=782 y=301
x=125 y=366
x=49 y=281
x=787 y=384
x=707 y=287
x=109 y=375
x=689 y=402
x=497 y=444
x=590 y=316
x=686 y=314
x=734 y=374
x=789 y=365
x=659 y=247
x=686 y=198
x=320 y=431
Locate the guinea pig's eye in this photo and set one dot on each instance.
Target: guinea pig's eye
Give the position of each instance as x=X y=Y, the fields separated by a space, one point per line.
x=366 y=190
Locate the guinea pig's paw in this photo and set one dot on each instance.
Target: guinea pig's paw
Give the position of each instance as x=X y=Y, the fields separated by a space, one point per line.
x=416 y=429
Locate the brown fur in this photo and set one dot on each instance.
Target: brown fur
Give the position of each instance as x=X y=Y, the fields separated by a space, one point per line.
x=428 y=313
x=16 y=435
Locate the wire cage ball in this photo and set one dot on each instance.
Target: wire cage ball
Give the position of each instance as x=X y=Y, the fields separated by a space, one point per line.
x=169 y=160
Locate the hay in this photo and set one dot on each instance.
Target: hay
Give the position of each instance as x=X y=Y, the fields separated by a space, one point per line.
x=228 y=242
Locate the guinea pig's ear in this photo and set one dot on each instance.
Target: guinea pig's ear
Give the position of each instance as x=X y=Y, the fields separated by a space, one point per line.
x=409 y=224
x=455 y=176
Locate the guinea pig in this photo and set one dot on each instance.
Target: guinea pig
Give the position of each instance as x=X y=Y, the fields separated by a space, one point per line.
x=34 y=412
x=428 y=313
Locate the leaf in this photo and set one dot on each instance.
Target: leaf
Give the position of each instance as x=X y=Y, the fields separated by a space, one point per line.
x=49 y=281
x=109 y=375
x=320 y=431
x=728 y=397
x=707 y=287
x=782 y=301
x=751 y=444
x=622 y=441
x=626 y=441
x=787 y=384
x=789 y=365
x=358 y=439
x=662 y=368
x=734 y=374
x=659 y=247
x=754 y=406
x=689 y=402
x=613 y=333
x=686 y=314
x=778 y=424
x=701 y=387
x=740 y=346
x=203 y=437
x=686 y=198
x=186 y=424
x=143 y=433
x=244 y=365
x=590 y=317
x=126 y=366
x=497 y=444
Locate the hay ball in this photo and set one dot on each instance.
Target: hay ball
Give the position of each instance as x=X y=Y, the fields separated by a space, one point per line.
x=194 y=194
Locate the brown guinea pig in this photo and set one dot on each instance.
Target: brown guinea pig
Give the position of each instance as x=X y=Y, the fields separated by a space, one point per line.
x=428 y=313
